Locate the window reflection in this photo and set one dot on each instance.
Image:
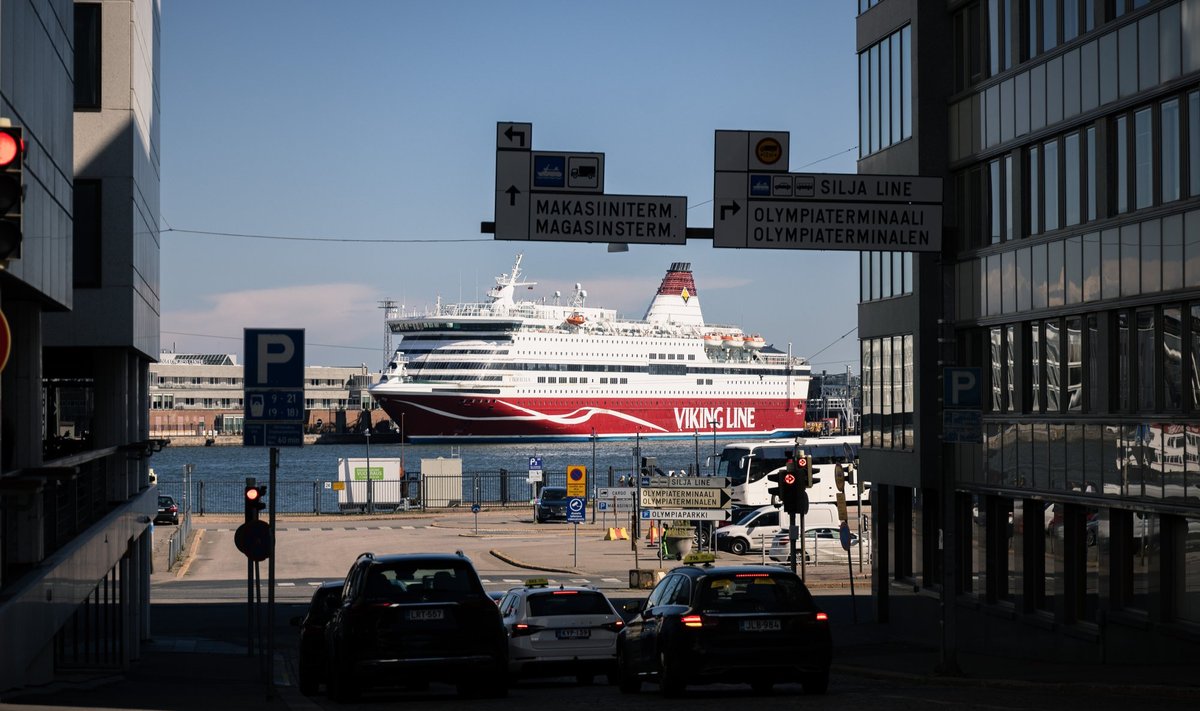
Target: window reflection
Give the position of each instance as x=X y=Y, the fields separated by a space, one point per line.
x=1170 y=150
x=1145 y=359
x=1135 y=551
x=1075 y=364
x=1172 y=350
x=1188 y=608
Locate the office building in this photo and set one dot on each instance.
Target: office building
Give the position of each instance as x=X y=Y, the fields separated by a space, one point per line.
x=1066 y=523
x=82 y=300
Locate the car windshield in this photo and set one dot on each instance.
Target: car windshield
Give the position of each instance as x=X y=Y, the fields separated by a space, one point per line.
x=165 y=501
x=422 y=582
x=568 y=602
x=754 y=592
x=554 y=492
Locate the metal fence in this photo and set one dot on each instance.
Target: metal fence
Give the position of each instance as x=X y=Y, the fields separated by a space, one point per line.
x=486 y=488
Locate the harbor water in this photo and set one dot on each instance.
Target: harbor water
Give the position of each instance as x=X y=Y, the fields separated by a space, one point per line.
x=493 y=474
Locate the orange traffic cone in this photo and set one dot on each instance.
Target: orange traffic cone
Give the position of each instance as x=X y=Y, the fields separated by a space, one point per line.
x=652 y=534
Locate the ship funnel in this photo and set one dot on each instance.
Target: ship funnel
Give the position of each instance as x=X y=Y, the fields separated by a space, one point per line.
x=676 y=301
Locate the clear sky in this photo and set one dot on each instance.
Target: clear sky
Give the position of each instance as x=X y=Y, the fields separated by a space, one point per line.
x=368 y=129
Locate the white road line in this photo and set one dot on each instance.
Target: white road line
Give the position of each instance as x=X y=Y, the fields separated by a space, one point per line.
x=611 y=580
x=285 y=585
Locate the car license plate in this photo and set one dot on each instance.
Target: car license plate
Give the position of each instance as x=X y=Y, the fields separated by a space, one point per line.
x=573 y=633
x=422 y=615
x=760 y=626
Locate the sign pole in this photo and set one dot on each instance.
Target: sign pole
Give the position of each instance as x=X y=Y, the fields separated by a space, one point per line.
x=250 y=481
x=271 y=484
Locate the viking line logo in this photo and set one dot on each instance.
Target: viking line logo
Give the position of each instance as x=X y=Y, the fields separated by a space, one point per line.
x=685 y=294
x=702 y=418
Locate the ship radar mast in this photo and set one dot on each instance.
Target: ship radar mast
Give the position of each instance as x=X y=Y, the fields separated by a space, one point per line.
x=506 y=285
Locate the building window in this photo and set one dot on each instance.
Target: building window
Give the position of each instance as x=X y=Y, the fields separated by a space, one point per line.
x=885 y=87
x=1193 y=119
x=87 y=56
x=86 y=234
x=1170 y=150
x=1143 y=159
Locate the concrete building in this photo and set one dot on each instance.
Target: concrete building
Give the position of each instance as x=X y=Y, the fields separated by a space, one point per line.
x=201 y=394
x=1067 y=133
x=82 y=299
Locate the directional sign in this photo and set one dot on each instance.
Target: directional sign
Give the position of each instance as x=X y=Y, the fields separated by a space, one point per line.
x=273 y=395
x=576 y=509
x=559 y=196
x=763 y=206
x=683 y=482
x=577 y=481
x=616 y=492
x=687 y=514
x=690 y=498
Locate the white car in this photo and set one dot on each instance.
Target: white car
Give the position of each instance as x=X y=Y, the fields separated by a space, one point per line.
x=822 y=544
x=560 y=631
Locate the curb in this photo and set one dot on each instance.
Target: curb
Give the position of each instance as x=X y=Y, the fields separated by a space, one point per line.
x=530 y=566
x=190 y=555
x=1164 y=692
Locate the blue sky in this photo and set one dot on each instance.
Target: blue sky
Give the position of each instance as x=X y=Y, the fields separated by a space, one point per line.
x=372 y=125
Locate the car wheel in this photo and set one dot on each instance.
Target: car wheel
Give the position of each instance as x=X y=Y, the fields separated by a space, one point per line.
x=627 y=679
x=307 y=681
x=816 y=682
x=762 y=687
x=739 y=546
x=670 y=677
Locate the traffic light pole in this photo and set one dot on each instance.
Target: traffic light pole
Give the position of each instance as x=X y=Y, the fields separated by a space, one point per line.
x=272 y=484
x=792 y=539
x=250 y=482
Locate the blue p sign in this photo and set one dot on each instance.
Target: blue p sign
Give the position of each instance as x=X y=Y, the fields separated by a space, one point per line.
x=962 y=387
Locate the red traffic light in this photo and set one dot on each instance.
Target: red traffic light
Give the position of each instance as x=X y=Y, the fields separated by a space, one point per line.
x=251 y=494
x=802 y=462
x=789 y=479
x=10 y=148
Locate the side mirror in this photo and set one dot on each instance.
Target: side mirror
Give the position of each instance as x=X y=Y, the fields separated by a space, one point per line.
x=634 y=607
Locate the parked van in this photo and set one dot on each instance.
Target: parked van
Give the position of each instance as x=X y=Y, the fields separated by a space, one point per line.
x=757 y=527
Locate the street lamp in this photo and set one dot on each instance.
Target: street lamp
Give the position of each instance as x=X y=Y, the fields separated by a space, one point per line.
x=713 y=424
x=370 y=483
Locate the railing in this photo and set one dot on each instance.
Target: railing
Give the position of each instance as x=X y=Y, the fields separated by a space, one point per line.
x=488 y=488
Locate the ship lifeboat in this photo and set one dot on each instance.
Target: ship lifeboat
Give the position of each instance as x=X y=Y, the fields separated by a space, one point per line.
x=754 y=342
x=712 y=340
x=730 y=341
x=576 y=319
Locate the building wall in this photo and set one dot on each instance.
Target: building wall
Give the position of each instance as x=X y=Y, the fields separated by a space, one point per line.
x=1072 y=530
x=75 y=512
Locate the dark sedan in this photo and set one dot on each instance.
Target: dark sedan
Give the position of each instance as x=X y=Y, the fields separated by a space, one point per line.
x=731 y=624
x=311 y=666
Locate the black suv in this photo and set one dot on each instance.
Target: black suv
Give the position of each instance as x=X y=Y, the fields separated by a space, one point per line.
x=551 y=503
x=168 y=510
x=311 y=660
x=750 y=624
x=408 y=619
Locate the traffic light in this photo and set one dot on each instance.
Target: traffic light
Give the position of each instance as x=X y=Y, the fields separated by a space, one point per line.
x=12 y=190
x=789 y=485
x=254 y=497
x=806 y=465
x=777 y=492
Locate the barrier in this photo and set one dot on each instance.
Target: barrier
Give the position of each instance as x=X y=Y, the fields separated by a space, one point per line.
x=616 y=534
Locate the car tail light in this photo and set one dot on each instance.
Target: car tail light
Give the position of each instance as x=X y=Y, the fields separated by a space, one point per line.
x=822 y=617
x=614 y=626
x=520 y=629
x=752 y=575
x=173 y=509
x=692 y=621
x=566 y=592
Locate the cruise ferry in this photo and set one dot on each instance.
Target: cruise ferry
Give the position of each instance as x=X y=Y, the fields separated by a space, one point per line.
x=560 y=370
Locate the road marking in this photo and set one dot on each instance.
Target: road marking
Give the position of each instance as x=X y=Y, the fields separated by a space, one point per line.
x=510 y=580
x=611 y=580
x=579 y=580
x=285 y=585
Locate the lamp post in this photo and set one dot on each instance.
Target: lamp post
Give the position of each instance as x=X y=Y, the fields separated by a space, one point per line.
x=713 y=424
x=370 y=483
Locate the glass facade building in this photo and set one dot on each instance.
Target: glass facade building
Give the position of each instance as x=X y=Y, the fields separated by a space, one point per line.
x=1067 y=134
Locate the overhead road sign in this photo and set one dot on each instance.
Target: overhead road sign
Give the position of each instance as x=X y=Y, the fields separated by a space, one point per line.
x=767 y=207
x=690 y=498
x=687 y=514
x=559 y=196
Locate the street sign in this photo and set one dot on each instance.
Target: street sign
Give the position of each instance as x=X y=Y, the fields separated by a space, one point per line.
x=576 y=509
x=962 y=387
x=577 y=480
x=273 y=394
x=689 y=498
x=764 y=206
x=687 y=514
x=684 y=482
x=253 y=538
x=616 y=492
x=844 y=534
x=535 y=476
x=535 y=464
x=962 y=426
x=559 y=196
